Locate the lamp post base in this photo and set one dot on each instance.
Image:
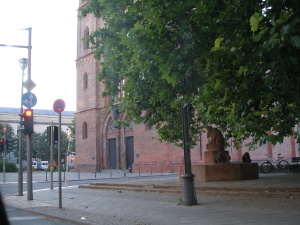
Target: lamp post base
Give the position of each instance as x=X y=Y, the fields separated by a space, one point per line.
x=189 y=195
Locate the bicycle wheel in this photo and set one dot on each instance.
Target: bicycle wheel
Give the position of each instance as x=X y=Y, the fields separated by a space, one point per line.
x=266 y=167
x=283 y=166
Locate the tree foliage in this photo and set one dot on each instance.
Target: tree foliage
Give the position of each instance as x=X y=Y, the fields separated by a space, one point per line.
x=236 y=63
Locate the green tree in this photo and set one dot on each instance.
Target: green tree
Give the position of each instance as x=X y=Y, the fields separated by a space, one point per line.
x=39 y=146
x=235 y=62
x=9 y=133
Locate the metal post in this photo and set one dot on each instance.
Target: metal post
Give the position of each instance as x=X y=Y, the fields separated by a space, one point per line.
x=59 y=161
x=67 y=170
x=28 y=139
x=4 y=159
x=189 y=194
x=29 y=168
x=29 y=52
x=51 y=156
x=124 y=150
x=67 y=157
x=20 y=169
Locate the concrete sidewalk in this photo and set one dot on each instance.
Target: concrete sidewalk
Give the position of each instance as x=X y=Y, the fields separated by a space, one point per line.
x=84 y=206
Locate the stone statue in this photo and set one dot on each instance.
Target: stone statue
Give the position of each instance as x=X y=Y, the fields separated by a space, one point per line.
x=246 y=158
x=221 y=157
x=216 y=140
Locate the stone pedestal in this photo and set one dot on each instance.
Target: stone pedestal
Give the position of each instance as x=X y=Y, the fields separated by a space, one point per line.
x=209 y=156
x=224 y=172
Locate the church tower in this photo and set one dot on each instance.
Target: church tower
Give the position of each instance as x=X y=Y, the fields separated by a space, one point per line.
x=89 y=103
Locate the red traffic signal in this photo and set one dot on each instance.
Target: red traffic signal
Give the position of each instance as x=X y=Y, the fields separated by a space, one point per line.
x=28 y=113
x=1 y=145
x=28 y=121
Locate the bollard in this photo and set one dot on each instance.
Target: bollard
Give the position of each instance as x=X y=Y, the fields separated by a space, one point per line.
x=64 y=175
x=78 y=173
x=110 y=173
x=46 y=175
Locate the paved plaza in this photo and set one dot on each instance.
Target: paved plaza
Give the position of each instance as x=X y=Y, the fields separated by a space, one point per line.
x=86 y=206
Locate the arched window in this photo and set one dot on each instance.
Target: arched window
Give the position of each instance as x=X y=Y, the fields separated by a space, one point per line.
x=85 y=81
x=85 y=36
x=84 y=130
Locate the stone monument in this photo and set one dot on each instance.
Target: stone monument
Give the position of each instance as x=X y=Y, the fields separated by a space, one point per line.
x=215 y=148
x=217 y=166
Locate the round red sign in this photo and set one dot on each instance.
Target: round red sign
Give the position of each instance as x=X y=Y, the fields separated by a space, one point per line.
x=59 y=106
x=4 y=128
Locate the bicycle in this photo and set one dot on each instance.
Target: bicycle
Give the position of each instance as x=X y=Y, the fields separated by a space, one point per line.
x=280 y=164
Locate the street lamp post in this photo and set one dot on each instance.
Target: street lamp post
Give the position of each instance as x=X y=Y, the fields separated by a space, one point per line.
x=23 y=65
x=189 y=194
x=28 y=138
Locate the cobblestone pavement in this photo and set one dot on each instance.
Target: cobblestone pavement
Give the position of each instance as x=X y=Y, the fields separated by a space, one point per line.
x=85 y=206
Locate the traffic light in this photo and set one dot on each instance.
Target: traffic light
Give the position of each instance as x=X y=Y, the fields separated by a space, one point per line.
x=9 y=144
x=28 y=121
x=49 y=134
x=1 y=145
x=55 y=134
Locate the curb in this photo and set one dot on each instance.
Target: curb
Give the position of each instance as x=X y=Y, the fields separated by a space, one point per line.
x=211 y=191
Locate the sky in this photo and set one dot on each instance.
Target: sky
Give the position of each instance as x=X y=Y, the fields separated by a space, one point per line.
x=53 y=54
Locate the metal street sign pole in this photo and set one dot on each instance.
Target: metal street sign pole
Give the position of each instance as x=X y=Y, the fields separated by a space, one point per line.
x=29 y=168
x=28 y=139
x=59 y=162
x=59 y=107
x=51 y=156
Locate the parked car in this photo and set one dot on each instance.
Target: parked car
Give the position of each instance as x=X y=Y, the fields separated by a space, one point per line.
x=43 y=165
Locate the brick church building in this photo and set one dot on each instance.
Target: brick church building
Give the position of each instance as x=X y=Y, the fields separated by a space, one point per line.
x=102 y=145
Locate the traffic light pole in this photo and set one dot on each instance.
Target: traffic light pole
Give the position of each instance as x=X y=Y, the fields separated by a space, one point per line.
x=29 y=168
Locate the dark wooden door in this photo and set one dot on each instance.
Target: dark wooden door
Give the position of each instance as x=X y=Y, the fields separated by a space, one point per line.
x=130 y=151
x=112 y=153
